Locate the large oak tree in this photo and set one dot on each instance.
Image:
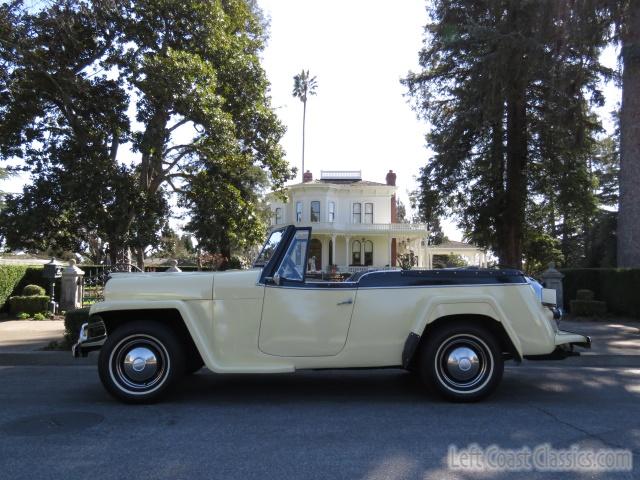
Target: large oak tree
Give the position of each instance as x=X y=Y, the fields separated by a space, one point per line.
x=113 y=105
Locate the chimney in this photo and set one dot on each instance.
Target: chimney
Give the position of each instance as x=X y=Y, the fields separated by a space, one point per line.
x=391 y=181
x=391 y=178
x=307 y=176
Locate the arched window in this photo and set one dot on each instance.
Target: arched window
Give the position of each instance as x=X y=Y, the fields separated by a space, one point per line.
x=356 y=253
x=315 y=255
x=368 y=252
x=315 y=211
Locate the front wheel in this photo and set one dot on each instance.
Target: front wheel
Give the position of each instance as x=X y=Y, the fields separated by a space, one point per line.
x=462 y=362
x=140 y=361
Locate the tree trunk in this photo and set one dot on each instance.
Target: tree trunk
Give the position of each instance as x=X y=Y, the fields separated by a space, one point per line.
x=516 y=188
x=498 y=165
x=629 y=209
x=304 y=123
x=140 y=258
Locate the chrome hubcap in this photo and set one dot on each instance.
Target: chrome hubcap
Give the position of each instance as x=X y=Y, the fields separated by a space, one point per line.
x=140 y=364
x=463 y=363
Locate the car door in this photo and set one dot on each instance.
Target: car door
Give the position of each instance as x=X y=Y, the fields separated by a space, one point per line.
x=303 y=319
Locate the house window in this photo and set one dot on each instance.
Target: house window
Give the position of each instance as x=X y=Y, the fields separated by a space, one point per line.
x=332 y=212
x=357 y=213
x=315 y=211
x=278 y=216
x=356 y=253
x=368 y=253
x=298 y=212
x=368 y=213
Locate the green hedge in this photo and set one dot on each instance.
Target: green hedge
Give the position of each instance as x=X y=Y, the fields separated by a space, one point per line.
x=31 y=304
x=10 y=276
x=619 y=288
x=73 y=320
x=13 y=279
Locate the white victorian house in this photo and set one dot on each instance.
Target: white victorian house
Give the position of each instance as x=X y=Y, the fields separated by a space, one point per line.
x=354 y=222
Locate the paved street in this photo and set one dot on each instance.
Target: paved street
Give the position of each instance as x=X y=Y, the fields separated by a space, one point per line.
x=57 y=422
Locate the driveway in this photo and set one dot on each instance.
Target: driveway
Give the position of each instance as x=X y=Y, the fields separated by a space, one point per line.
x=58 y=422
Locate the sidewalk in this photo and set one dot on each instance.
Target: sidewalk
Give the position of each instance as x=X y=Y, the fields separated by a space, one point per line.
x=615 y=342
x=22 y=343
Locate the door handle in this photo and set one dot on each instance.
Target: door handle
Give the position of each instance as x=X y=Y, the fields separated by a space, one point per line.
x=346 y=302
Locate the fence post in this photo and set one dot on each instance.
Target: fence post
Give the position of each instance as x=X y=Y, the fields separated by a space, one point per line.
x=173 y=267
x=71 y=295
x=552 y=278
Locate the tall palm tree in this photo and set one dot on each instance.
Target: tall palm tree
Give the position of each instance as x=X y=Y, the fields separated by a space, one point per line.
x=303 y=86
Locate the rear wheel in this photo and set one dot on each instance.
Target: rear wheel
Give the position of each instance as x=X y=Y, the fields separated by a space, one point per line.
x=462 y=362
x=140 y=361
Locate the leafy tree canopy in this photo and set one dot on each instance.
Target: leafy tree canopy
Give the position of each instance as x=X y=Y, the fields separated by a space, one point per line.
x=115 y=105
x=506 y=87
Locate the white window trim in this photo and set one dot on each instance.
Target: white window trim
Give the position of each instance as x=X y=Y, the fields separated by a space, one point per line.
x=353 y=213
x=301 y=203
x=319 y=212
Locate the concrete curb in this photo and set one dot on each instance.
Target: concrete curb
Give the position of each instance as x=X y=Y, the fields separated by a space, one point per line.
x=44 y=358
x=589 y=360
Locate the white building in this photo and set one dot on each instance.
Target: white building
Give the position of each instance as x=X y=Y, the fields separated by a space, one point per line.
x=354 y=222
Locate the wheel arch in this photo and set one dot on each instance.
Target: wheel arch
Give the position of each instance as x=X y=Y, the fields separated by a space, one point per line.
x=416 y=341
x=171 y=317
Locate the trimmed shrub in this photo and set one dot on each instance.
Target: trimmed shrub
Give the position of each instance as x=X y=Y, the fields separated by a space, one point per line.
x=73 y=320
x=14 y=278
x=616 y=287
x=39 y=316
x=588 y=308
x=584 y=294
x=31 y=304
x=31 y=290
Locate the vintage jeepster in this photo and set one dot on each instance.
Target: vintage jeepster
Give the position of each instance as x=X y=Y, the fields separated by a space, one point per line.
x=453 y=327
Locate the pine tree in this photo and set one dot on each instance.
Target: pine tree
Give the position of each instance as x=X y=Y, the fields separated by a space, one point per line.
x=505 y=86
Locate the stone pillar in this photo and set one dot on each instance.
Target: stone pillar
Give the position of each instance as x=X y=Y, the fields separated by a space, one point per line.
x=173 y=266
x=552 y=278
x=72 y=287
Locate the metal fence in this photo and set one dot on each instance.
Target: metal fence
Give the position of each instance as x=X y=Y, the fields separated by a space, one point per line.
x=96 y=277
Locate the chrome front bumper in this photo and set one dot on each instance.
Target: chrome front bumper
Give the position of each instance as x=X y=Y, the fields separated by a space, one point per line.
x=92 y=337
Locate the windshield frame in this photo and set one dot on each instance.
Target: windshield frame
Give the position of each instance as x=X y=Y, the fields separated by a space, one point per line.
x=264 y=246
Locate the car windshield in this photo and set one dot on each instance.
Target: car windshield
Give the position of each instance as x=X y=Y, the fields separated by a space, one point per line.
x=269 y=247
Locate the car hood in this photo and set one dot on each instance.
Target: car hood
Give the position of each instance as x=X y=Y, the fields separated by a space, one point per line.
x=182 y=285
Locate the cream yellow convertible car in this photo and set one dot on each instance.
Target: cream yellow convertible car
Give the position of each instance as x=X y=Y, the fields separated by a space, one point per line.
x=453 y=327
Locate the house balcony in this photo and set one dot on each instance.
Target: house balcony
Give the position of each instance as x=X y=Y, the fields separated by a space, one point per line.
x=389 y=229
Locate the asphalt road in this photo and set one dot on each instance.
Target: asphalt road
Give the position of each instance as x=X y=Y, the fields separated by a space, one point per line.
x=58 y=422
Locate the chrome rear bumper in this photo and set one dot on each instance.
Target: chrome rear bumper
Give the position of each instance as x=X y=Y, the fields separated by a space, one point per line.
x=92 y=337
x=565 y=343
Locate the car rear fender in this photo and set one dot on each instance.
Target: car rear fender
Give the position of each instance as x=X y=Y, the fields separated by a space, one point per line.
x=478 y=305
